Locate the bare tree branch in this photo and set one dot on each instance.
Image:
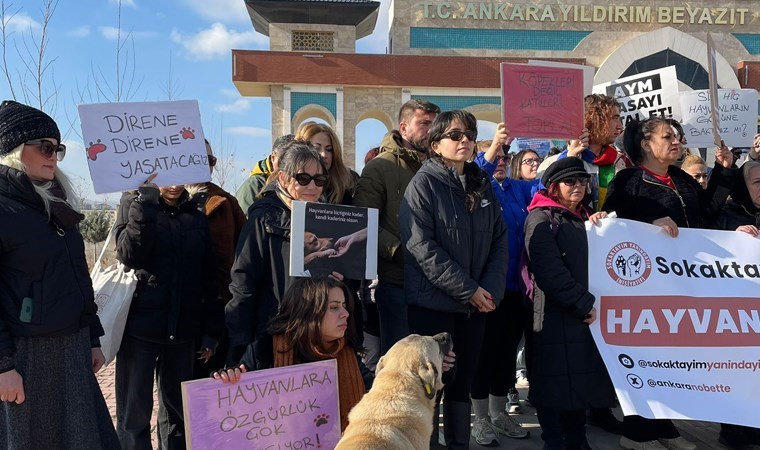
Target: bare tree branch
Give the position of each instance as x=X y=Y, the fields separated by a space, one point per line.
x=5 y=17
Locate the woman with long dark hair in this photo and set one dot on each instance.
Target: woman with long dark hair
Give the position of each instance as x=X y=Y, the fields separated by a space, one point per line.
x=455 y=262
x=312 y=325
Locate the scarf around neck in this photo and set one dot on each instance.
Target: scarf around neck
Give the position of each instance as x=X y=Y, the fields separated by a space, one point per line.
x=350 y=381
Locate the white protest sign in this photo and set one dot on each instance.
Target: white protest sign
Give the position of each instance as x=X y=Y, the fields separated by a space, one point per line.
x=737 y=116
x=128 y=142
x=678 y=320
x=644 y=95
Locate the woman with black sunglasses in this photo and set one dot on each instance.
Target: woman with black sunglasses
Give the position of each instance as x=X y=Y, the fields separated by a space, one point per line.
x=455 y=258
x=260 y=274
x=49 y=330
x=567 y=374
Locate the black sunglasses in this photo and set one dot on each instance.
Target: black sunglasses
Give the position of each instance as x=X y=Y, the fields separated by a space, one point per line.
x=47 y=148
x=211 y=160
x=304 y=179
x=456 y=135
x=572 y=181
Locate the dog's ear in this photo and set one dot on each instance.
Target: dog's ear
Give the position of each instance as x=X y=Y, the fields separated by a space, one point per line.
x=379 y=365
x=428 y=374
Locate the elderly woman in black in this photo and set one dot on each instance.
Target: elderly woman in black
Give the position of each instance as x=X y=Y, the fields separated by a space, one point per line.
x=455 y=259
x=567 y=372
x=658 y=192
x=49 y=346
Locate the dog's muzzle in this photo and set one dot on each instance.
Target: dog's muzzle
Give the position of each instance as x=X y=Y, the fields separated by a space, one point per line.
x=444 y=342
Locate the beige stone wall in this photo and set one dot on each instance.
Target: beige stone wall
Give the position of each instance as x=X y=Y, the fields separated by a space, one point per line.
x=363 y=103
x=606 y=37
x=278 y=107
x=280 y=36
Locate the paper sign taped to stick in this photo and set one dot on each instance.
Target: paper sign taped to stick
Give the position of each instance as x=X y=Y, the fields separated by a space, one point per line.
x=326 y=238
x=128 y=142
x=678 y=320
x=542 y=102
x=644 y=95
x=288 y=407
x=737 y=116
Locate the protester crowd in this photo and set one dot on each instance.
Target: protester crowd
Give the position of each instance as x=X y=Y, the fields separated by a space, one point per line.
x=470 y=239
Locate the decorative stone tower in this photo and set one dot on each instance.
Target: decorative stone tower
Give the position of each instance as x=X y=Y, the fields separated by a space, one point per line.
x=313 y=28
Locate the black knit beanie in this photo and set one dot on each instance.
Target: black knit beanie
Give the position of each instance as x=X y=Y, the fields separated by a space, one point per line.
x=564 y=168
x=20 y=123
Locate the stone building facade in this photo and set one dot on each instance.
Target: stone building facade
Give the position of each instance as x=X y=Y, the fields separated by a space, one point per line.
x=312 y=69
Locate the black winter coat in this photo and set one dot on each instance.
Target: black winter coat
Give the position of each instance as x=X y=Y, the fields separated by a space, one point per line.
x=170 y=249
x=260 y=274
x=635 y=194
x=449 y=251
x=739 y=210
x=567 y=372
x=43 y=260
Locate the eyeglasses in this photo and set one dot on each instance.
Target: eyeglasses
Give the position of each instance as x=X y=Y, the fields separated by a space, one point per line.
x=48 y=148
x=532 y=161
x=456 y=135
x=304 y=179
x=211 y=160
x=504 y=158
x=574 y=181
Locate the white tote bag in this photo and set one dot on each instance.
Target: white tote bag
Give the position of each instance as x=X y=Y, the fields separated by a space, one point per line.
x=114 y=287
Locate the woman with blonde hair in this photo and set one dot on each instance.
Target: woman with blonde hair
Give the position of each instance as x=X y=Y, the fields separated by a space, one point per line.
x=342 y=183
x=695 y=166
x=49 y=330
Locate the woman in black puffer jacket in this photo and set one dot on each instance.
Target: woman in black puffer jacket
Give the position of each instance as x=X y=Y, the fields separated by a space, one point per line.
x=567 y=372
x=163 y=235
x=49 y=333
x=455 y=259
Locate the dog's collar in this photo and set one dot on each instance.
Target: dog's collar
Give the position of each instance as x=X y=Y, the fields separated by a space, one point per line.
x=429 y=391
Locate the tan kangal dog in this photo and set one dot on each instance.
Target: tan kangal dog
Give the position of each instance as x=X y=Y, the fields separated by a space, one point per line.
x=397 y=413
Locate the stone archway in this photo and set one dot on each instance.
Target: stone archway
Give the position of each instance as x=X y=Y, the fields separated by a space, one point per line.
x=309 y=111
x=488 y=112
x=667 y=38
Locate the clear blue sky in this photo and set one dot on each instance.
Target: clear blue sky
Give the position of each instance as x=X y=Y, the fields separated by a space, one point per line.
x=196 y=36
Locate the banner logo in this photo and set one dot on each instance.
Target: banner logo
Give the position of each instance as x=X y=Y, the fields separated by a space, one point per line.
x=628 y=264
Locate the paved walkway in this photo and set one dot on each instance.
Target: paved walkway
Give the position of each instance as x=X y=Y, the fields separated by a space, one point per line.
x=704 y=434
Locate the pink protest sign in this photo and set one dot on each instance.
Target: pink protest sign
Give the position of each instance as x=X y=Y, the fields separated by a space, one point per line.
x=293 y=407
x=542 y=102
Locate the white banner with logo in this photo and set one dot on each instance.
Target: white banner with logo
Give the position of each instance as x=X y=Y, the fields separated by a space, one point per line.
x=677 y=322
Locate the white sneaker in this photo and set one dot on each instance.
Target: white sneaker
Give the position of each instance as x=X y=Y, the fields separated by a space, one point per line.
x=484 y=432
x=503 y=424
x=629 y=444
x=679 y=443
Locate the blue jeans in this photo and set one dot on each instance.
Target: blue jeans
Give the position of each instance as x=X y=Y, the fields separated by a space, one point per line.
x=391 y=305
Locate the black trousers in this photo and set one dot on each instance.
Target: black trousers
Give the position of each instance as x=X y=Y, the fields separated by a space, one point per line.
x=466 y=332
x=641 y=429
x=137 y=362
x=498 y=358
x=562 y=430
